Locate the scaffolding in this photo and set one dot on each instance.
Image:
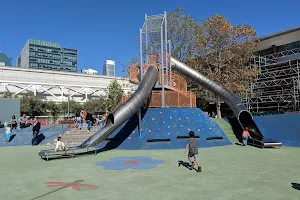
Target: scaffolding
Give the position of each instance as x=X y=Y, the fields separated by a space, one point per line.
x=155 y=48
x=277 y=87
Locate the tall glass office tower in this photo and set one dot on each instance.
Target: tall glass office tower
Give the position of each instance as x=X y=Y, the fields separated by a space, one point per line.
x=40 y=54
x=109 y=68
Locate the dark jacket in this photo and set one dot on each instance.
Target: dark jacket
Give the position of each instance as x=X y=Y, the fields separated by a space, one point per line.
x=37 y=127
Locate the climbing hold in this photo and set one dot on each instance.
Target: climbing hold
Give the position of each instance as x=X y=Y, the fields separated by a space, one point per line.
x=170 y=117
x=129 y=138
x=160 y=112
x=164 y=122
x=168 y=126
x=169 y=133
x=158 y=129
x=132 y=131
x=179 y=119
x=210 y=128
x=153 y=119
x=189 y=129
x=198 y=130
x=149 y=131
x=181 y=126
x=187 y=118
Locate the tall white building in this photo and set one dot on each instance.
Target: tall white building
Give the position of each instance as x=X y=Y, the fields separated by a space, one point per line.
x=109 y=68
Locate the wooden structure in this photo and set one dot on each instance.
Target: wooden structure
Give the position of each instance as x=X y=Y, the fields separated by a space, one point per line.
x=176 y=94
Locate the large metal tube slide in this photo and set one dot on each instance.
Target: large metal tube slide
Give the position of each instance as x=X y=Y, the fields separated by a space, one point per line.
x=240 y=111
x=125 y=110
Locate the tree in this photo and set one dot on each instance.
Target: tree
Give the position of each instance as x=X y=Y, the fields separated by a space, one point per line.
x=53 y=108
x=32 y=105
x=115 y=93
x=95 y=106
x=182 y=30
x=7 y=95
x=224 y=53
x=74 y=107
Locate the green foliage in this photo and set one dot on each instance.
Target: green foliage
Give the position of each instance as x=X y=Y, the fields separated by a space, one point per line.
x=182 y=31
x=115 y=93
x=74 y=107
x=7 y=95
x=53 y=108
x=96 y=106
x=32 y=106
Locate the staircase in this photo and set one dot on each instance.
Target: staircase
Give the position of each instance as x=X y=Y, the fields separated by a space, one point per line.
x=73 y=137
x=226 y=127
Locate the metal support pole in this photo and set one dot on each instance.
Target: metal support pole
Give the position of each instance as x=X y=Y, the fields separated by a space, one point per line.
x=68 y=107
x=147 y=51
x=166 y=48
x=162 y=68
x=140 y=123
x=141 y=54
x=170 y=63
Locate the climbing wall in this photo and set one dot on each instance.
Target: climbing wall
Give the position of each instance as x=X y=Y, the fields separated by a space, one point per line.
x=168 y=128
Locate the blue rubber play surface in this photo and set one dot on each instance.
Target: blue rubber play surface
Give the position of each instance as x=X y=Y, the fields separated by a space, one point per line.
x=285 y=128
x=163 y=124
x=137 y=162
x=24 y=136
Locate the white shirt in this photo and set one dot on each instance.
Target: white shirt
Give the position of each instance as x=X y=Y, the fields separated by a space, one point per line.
x=7 y=130
x=60 y=146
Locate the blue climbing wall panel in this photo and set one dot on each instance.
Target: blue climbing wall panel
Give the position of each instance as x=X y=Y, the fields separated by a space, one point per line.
x=285 y=128
x=167 y=123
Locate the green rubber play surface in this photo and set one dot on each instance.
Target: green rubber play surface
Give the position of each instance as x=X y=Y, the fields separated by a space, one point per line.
x=229 y=172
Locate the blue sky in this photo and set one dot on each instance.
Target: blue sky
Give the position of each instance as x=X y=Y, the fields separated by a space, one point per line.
x=102 y=29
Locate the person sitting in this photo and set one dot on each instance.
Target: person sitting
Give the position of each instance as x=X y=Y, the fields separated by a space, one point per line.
x=60 y=146
x=23 y=121
x=13 y=122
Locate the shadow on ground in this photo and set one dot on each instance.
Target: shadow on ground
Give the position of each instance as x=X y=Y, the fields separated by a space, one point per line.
x=185 y=164
x=12 y=137
x=296 y=186
x=38 y=139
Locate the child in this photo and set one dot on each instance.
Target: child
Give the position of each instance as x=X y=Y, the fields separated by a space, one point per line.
x=60 y=146
x=79 y=121
x=246 y=135
x=192 y=145
x=7 y=132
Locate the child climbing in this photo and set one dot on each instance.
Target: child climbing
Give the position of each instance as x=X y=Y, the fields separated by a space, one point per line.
x=192 y=146
x=7 y=132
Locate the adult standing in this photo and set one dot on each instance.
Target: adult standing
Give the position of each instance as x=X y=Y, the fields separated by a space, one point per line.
x=36 y=126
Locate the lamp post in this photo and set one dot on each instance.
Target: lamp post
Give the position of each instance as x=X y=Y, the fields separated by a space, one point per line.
x=68 y=107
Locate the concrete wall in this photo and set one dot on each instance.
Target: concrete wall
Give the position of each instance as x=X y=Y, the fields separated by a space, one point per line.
x=9 y=107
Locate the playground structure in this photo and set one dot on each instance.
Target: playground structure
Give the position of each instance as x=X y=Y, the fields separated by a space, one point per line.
x=155 y=76
x=155 y=50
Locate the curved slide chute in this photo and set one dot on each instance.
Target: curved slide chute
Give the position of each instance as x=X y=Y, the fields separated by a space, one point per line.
x=124 y=112
x=240 y=111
